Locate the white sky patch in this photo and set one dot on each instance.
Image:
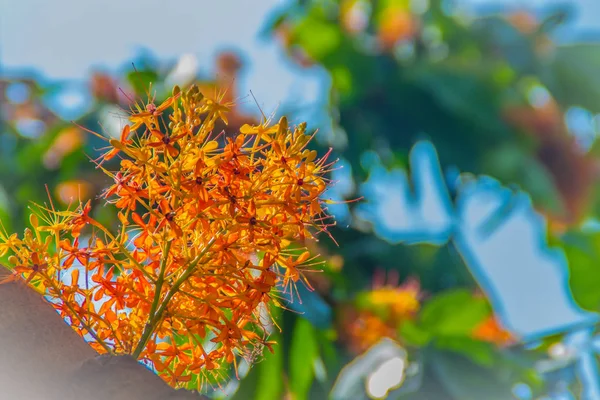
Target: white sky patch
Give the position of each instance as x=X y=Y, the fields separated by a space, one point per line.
x=185 y=71
x=387 y=376
x=69 y=103
x=113 y=119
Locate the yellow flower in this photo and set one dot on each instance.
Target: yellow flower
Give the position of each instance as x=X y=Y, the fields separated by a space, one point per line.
x=402 y=302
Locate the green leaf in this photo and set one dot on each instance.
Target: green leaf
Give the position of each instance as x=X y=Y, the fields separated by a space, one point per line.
x=303 y=353
x=413 y=334
x=554 y=21
x=454 y=313
x=501 y=40
x=467 y=381
x=584 y=272
x=342 y=79
x=327 y=349
x=573 y=77
x=140 y=80
x=481 y=352
x=317 y=38
x=465 y=91
x=515 y=164
x=270 y=382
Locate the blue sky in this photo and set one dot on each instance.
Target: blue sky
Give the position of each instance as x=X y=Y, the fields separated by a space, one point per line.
x=63 y=39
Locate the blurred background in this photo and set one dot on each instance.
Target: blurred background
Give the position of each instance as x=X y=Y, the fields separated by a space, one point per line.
x=470 y=269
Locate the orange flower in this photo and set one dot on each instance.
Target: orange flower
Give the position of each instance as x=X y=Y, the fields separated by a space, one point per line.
x=396 y=25
x=380 y=311
x=399 y=301
x=81 y=219
x=491 y=331
x=365 y=330
x=179 y=283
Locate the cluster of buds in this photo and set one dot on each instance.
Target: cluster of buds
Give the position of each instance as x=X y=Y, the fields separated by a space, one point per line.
x=211 y=233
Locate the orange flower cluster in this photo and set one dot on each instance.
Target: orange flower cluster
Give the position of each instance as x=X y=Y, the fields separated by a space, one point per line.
x=209 y=229
x=385 y=307
x=400 y=303
x=366 y=329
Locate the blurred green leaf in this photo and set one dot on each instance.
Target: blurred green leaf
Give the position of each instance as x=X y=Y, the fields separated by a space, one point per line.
x=554 y=20
x=328 y=351
x=573 y=77
x=304 y=350
x=454 y=313
x=467 y=381
x=515 y=164
x=481 y=352
x=317 y=38
x=270 y=382
x=501 y=40
x=140 y=80
x=464 y=90
x=584 y=271
x=412 y=334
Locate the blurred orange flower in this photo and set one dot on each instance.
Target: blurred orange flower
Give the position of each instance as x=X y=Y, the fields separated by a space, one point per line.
x=383 y=309
x=491 y=331
x=402 y=301
x=396 y=25
x=366 y=329
x=75 y=190
x=66 y=142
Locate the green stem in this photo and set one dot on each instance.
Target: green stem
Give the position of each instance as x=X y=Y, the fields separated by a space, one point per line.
x=159 y=284
x=156 y=318
x=160 y=281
